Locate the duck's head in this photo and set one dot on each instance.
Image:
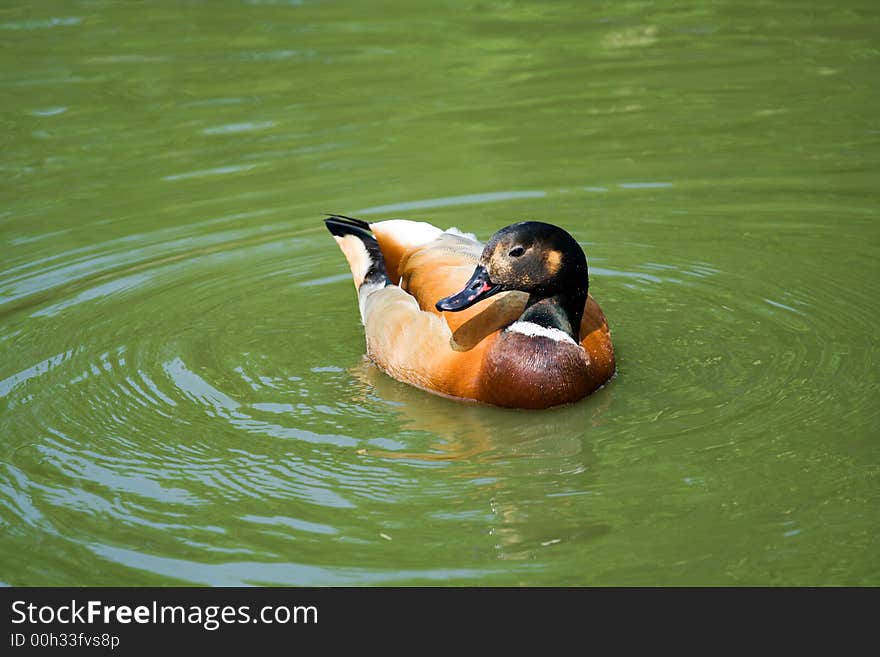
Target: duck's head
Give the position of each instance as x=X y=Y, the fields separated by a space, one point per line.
x=534 y=257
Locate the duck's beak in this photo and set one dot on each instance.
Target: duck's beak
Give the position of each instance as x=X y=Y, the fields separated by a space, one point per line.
x=479 y=287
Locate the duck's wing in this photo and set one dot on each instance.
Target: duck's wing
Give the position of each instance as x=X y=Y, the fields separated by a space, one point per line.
x=442 y=267
x=596 y=339
x=406 y=336
x=422 y=259
x=398 y=236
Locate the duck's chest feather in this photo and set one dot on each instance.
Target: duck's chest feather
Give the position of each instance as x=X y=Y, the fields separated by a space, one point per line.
x=536 y=371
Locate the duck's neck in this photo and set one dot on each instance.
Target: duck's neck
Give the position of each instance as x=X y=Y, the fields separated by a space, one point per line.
x=561 y=311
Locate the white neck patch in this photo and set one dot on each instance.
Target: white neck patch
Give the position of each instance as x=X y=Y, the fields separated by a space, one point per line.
x=535 y=330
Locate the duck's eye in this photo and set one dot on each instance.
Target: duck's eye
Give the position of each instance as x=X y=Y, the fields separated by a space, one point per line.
x=516 y=252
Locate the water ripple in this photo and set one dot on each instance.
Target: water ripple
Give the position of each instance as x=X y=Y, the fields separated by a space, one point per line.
x=182 y=374
x=467 y=199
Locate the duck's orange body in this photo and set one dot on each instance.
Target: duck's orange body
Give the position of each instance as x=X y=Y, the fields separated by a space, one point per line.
x=481 y=352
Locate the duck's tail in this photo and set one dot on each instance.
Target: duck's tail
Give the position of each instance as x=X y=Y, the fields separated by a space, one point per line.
x=361 y=250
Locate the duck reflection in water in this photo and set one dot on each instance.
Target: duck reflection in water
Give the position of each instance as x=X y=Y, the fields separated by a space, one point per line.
x=506 y=448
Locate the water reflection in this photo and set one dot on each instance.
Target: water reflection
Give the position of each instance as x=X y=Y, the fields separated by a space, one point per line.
x=502 y=446
x=478 y=432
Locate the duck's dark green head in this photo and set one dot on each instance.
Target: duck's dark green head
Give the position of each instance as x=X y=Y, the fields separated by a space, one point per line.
x=534 y=257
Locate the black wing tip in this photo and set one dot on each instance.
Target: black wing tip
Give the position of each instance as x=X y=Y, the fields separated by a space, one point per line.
x=340 y=225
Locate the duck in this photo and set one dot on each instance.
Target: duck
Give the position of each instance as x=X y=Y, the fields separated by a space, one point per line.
x=510 y=323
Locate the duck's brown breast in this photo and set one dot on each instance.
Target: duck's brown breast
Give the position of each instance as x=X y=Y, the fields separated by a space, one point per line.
x=526 y=371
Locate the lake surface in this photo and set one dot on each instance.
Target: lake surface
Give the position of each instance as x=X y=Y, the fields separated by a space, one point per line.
x=183 y=393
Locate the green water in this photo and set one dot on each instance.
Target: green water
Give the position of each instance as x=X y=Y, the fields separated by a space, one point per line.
x=183 y=395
